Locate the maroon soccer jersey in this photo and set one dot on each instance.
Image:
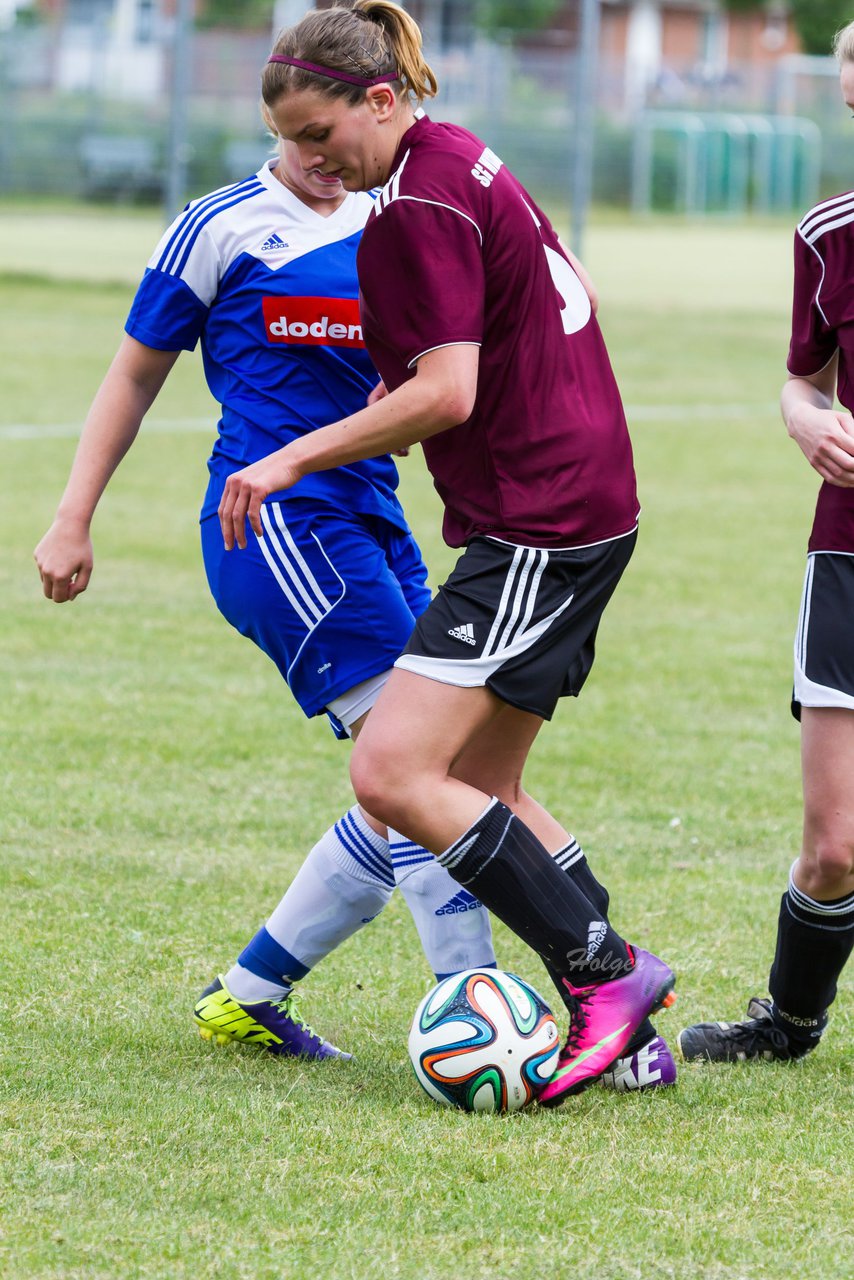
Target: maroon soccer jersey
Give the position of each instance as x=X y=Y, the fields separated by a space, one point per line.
x=822 y=322
x=456 y=251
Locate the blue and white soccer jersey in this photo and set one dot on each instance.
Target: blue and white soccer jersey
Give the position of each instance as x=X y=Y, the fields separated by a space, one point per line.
x=269 y=288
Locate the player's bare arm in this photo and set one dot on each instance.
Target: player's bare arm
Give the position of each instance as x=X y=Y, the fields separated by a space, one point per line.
x=825 y=435
x=64 y=555
x=584 y=276
x=441 y=395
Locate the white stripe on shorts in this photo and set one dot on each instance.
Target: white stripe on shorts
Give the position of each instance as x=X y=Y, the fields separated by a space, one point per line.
x=806 y=691
x=291 y=571
x=525 y=559
x=471 y=673
x=293 y=561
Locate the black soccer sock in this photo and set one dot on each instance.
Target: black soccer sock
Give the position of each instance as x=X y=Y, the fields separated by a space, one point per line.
x=572 y=862
x=814 y=941
x=503 y=863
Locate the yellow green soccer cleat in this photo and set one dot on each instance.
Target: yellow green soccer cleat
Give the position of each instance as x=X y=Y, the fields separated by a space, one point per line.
x=274 y=1025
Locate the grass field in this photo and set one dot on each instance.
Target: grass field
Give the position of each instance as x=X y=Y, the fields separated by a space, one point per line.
x=158 y=791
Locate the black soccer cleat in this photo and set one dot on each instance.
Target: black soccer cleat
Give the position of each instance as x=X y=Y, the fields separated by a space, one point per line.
x=758 y=1037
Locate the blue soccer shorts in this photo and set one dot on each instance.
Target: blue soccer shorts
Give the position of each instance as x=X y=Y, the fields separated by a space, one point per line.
x=331 y=595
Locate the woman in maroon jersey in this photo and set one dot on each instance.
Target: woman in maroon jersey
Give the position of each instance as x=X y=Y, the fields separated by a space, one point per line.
x=487 y=342
x=815 y=928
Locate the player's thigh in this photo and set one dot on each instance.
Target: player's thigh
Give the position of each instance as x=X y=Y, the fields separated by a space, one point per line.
x=827 y=758
x=496 y=756
x=418 y=727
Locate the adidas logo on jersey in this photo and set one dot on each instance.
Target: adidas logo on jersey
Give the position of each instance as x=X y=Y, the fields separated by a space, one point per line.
x=461 y=901
x=486 y=168
x=273 y=242
x=464 y=633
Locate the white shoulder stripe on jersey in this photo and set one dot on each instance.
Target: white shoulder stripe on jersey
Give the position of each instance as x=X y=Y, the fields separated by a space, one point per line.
x=828 y=221
x=186 y=232
x=390 y=190
x=823 y=206
x=439 y=205
x=817 y=297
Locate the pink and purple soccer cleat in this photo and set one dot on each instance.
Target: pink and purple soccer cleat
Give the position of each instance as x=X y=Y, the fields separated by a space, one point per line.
x=606 y=1016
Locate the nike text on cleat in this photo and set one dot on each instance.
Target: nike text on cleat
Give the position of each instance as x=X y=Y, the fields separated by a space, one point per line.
x=650 y=1067
x=605 y=1017
x=760 y=1036
x=274 y=1025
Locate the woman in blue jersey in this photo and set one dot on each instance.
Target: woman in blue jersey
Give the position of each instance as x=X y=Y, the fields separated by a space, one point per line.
x=263 y=274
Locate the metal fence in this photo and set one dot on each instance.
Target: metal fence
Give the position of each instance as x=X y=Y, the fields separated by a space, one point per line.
x=85 y=112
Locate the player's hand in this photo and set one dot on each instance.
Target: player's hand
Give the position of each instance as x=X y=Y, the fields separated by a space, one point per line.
x=64 y=559
x=826 y=439
x=245 y=492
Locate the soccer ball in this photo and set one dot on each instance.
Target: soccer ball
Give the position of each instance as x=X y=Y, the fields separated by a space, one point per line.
x=483 y=1040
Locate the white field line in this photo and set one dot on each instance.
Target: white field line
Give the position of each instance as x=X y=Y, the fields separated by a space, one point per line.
x=702 y=412
x=66 y=430
x=207 y=426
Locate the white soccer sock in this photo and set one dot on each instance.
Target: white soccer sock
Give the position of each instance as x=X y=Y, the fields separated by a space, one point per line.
x=452 y=924
x=345 y=882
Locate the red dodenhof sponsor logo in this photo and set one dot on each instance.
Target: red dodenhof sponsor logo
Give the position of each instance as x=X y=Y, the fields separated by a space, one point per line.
x=327 y=322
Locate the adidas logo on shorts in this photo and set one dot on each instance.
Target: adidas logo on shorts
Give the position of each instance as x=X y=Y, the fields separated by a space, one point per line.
x=464 y=633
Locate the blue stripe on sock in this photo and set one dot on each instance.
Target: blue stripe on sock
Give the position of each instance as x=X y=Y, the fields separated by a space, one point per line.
x=362 y=851
x=268 y=959
x=416 y=860
x=409 y=854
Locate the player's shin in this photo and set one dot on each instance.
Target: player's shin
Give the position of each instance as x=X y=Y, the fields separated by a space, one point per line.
x=452 y=923
x=345 y=882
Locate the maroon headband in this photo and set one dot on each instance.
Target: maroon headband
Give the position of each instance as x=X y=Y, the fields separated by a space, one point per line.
x=364 y=82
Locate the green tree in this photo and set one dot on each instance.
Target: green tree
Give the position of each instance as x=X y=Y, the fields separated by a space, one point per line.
x=253 y=15
x=816 y=21
x=522 y=15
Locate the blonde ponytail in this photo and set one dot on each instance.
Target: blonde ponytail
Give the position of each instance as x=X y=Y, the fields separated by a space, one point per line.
x=404 y=38
x=366 y=42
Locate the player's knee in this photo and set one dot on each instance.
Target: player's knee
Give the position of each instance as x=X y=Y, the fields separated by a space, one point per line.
x=377 y=780
x=827 y=863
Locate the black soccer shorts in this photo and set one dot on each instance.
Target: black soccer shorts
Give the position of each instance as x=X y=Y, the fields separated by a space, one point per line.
x=520 y=620
x=824 y=643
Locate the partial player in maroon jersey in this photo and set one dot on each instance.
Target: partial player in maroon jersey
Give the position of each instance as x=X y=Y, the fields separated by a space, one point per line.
x=815 y=929
x=488 y=344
